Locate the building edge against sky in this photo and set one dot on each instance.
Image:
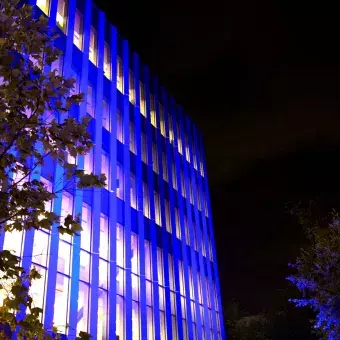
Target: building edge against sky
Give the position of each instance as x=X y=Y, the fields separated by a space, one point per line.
x=145 y=265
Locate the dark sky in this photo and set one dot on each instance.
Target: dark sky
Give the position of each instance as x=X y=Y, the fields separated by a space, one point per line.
x=261 y=80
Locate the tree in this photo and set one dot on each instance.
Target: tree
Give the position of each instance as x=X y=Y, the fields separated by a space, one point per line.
x=317 y=270
x=35 y=126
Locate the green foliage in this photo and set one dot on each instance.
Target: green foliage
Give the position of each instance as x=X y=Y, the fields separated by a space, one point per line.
x=34 y=125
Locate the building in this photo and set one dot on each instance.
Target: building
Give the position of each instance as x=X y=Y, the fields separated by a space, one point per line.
x=145 y=264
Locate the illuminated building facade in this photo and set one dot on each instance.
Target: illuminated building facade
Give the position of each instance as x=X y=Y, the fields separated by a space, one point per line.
x=145 y=264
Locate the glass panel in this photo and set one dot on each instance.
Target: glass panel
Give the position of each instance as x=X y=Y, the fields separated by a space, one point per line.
x=161 y=293
x=174 y=327
x=103 y=274
x=120 y=246
x=158 y=215
x=132 y=97
x=66 y=209
x=78 y=30
x=102 y=315
x=163 y=325
x=160 y=266
x=37 y=290
x=135 y=287
x=106 y=169
x=107 y=62
x=85 y=238
x=93 y=46
x=155 y=158
x=61 y=14
x=148 y=285
x=133 y=198
x=40 y=248
x=120 y=318
x=106 y=115
x=171 y=273
x=149 y=318
x=88 y=163
x=104 y=237
x=64 y=258
x=83 y=307
x=148 y=271
x=120 y=182
x=44 y=5
x=61 y=307
x=84 y=273
x=135 y=320
x=90 y=101
x=120 y=281
x=142 y=99
x=13 y=241
x=134 y=254
x=119 y=74
x=146 y=202
x=120 y=129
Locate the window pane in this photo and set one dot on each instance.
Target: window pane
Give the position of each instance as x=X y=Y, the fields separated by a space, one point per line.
x=61 y=307
x=37 y=290
x=134 y=254
x=163 y=325
x=84 y=273
x=133 y=198
x=135 y=320
x=40 y=248
x=148 y=271
x=90 y=101
x=85 y=235
x=135 y=287
x=44 y=5
x=120 y=246
x=149 y=318
x=78 y=30
x=83 y=307
x=120 y=281
x=93 y=46
x=131 y=88
x=106 y=169
x=106 y=116
x=120 y=313
x=119 y=74
x=102 y=315
x=120 y=129
x=64 y=258
x=107 y=62
x=14 y=241
x=120 y=182
x=103 y=274
x=104 y=237
x=148 y=285
x=160 y=266
x=61 y=14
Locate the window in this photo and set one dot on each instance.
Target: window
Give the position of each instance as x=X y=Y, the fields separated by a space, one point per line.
x=66 y=209
x=120 y=127
x=146 y=201
x=83 y=307
x=160 y=268
x=103 y=274
x=181 y=282
x=104 y=237
x=148 y=260
x=178 y=224
x=37 y=290
x=134 y=254
x=144 y=148
x=171 y=273
x=120 y=245
x=120 y=182
x=133 y=198
x=132 y=97
x=132 y=138
x=187 y=151
x=93 y=46
x=142 y=99
x=201 y=168
x=174 y=177
x=62 y=15
x=163 y=325
x=120 y=322
x=90 y=101
x=171 y=130
x=179 y=140
x=40 y=248
x=165 y=167
x=187 y=232
x=149 y=318
x=167 y=216
x=158 y=215
x=153 y=111
x=183 y=184
x=106 y=169
x=84 y=272
x=64 y=258
x=88 y=163
x=86 y=224
x=44 y=5
x=106 y=115
x=155 y=158
x=78 y=30
x=119 y=74
x=135 y=321
x=102 y=314
x=60 y=308
x=107 y=62
x=161 y=118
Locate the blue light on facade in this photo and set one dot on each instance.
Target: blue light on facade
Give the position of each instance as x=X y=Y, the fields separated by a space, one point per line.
x=145 y=264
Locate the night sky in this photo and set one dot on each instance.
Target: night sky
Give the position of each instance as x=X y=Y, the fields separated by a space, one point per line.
x=261 y=80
